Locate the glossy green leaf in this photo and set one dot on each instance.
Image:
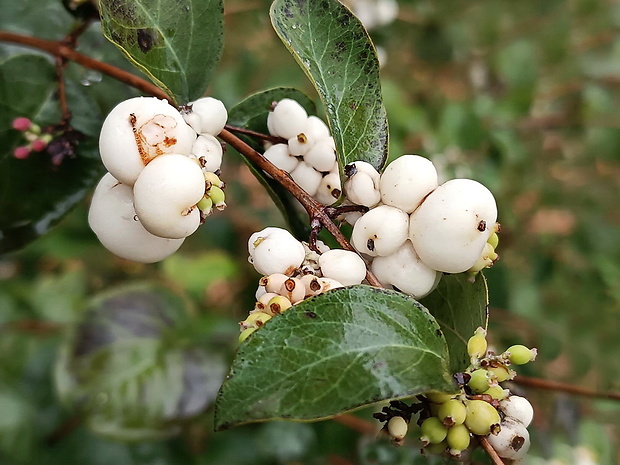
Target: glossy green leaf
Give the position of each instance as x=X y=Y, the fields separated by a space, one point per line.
x=127 y=369
x=34 y=193
x=459 y=306
x=332 y=353
x=335 y=51
x=177 y=43
x=251 y=113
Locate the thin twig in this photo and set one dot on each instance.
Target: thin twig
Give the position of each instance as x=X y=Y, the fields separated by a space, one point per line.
x=488 y=448
x=62 y=92
x=256 y=135
x=315 y=209
x=538 y=383
x=61 y=49
x=357 y=424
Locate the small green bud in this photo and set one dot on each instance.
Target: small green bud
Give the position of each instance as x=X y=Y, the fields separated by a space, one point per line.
x=255 y=320
x=245 y=334
x=452 y=412
x=438 y=397
x=397 y=428
x=217 y=195
x=497 y=392
x=479 y=381
x=481 y=417
x=477 y=344
x=205 y=205
x=433 y=431
x=214 y=179
x=458 y=439
x=278 y=304
x=501 y=373
x=493 y=240
x=520 y=355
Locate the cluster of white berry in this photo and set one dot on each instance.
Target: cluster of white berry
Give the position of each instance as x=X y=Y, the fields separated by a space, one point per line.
x=162 y=178
x=417 y=229
x=293 y=272
x=481 y=408
x=374 y=13
x=309 y=156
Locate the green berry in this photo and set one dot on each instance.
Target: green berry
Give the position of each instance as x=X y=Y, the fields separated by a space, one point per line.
x=520 y=355
x=477 y=344
x=436 y=449
x=245 y=334
x=479 y=381
x=458 y=439
x=493 y=240
x=214 y=179
x=481 y=417
x=433 y=431
x=438 y=397
x=501 y=373
x=497 y=392
x=278 y=304
x=255 y=320
x=217 y=195
x=205 y=205
x=452 y=412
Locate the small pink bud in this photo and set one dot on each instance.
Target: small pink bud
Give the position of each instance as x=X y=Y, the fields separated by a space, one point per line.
x=38 y=145
x=21 y=153
x=22 y=124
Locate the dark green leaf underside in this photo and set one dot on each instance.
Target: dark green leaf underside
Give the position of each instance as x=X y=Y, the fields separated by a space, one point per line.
x=251 y=113
x=177 y=43
x=459 y=306
x=329 y=354
x=335 y=51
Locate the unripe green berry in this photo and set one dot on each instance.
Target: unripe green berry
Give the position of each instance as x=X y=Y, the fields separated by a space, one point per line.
x=205 y=205
x=497 y=392
x=452 y=412
x=477 y=344
x=278 y=304
x=493 y=240
x=214 y=180
x=436 y=449
x=520 y=355
x=501 y=373
x=245 y=334
x=218 y=197
x=438 y=397
x=479 y=381
x=255 y=320
x=481 y=417
x=458 y=439
x=397 y=428
x=433 y=431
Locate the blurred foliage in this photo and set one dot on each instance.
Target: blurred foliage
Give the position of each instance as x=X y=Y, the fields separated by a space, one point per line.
x=522 y=96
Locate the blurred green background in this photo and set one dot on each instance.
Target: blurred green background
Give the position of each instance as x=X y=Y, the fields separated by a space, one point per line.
x=523 y=96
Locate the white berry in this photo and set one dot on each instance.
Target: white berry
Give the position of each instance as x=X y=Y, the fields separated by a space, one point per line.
x=381 y=231
x=513 y=440
x=279 y=155
x=344 y=266
x=166 y=194
x=113 y=219
x=518 y=408
x=307 y=178
x=209 y=150
x=407 y=181
x=316 y=128
x=207 y=115
x=275 y=250
x=287 y=119
x=362 y=184
x=138 y=130
x=321 y=156
x=451 y=227
x=405 y=271
x=329 y=189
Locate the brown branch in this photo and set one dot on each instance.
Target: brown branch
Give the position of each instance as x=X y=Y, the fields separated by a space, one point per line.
x=61 y=49
x=315 y=209
x=488 y=448
x=62 y=92
x=356 y=424
x=256 y=135
x=547 y=385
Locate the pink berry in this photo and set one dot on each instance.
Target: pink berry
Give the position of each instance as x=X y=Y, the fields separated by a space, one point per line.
x=38 y=145
x=22 y=124
x=21 y=153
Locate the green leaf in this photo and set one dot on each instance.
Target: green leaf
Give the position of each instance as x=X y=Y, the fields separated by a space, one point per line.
x=34 y=193
x=332 y=353
x=335 y=51
x=459 y=306
x=176 y=43
x=128 y=369
x=251 y=113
